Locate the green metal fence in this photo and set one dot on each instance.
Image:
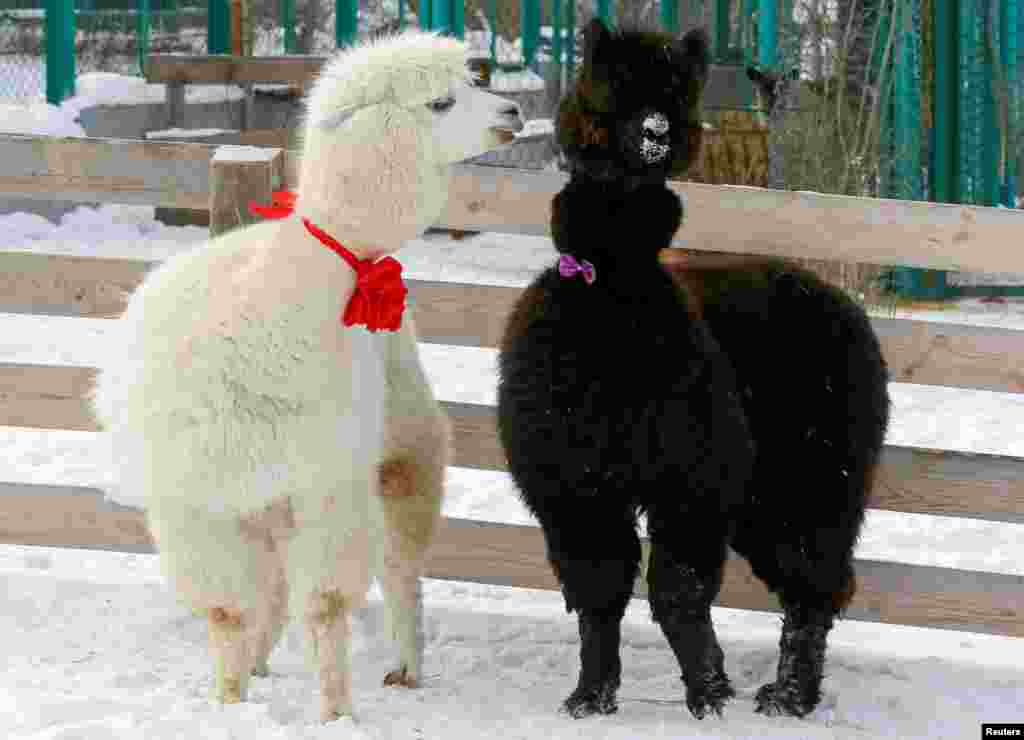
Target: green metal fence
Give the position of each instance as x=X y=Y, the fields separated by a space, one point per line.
x=116 y=35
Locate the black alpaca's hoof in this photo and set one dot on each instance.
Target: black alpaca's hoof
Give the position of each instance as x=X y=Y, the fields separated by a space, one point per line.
x=584 y=702
x=783 y=701
x=711 y=695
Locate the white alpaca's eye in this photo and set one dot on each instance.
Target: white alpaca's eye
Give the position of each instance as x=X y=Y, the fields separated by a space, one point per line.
x=442 y=105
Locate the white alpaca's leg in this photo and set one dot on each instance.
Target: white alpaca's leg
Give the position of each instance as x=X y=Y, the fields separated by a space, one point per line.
x=270 y=620
x=270 y=616
x=411 y=499
x=404 y=600
x=230 y=652
x=327 y=622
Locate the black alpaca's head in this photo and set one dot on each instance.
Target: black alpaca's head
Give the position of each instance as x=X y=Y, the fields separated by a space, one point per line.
x=634 y=112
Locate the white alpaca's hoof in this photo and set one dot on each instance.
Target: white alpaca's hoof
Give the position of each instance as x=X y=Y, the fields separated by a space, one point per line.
x=332 y=714
x=402 y=678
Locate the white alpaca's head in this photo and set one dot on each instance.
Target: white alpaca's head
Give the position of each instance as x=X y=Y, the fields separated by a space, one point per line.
x=384 y=120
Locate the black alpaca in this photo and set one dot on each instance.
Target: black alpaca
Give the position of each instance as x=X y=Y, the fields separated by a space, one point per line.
x=614 y=398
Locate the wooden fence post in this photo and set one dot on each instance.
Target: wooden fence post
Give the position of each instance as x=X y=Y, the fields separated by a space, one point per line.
x=175 y=92
x=240 y=175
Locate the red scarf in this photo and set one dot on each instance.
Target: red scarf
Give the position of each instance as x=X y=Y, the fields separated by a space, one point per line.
x=379 y=298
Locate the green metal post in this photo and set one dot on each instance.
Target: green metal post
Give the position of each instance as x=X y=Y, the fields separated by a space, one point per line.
x=1008 y=16
x=458 y=18
x=426 y=15
x=944 y=176
x=556 y=39
x=969 y=104
x=529 y=24
x=60 y=50
x=447 y=16
x=990 y=180
x=441 y=16
x=604 y=12
x=670 y=15
x=142 y=32
x=904 y=180
x=218 y=27
x=288 y=24
x=747 y=24
x=907 y=106
x=570 y=42
x=346 y=22
x=401 y=15
x=767 y=35
x=721 y=40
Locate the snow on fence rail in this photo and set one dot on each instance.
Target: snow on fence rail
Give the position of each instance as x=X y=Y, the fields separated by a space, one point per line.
x=914 y=480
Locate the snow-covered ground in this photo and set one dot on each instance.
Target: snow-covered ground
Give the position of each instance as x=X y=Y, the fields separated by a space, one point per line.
x=95 y=647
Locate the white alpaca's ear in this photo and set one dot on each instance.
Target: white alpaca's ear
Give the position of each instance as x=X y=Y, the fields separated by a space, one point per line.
x=335 y=119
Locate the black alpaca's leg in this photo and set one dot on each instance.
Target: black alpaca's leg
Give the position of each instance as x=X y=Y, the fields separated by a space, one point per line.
x=683 y=578
x=596 y=559
x=812 y=573
x=796 y=690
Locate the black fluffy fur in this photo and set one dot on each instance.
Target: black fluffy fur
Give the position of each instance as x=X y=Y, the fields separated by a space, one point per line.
x=743 y=407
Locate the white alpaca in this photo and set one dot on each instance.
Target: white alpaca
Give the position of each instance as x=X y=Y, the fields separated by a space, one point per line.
x=286 y=458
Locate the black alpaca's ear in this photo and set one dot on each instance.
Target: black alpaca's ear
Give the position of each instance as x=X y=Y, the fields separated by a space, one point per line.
x=695 y=48
x=595 y=35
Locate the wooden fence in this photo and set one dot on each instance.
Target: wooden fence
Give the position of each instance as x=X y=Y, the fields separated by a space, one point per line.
x=719 y=218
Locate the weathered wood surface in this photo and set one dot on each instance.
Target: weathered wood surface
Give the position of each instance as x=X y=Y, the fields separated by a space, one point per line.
x=237 y=181
x=227 y=69
x=746 y=220
x=514 y=555
x=911 y=479
x=508 y=200
x=171 y=174
x=921 y=352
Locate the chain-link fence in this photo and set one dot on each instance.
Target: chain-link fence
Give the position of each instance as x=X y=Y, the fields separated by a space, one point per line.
x=22 y=76
x=116 y=35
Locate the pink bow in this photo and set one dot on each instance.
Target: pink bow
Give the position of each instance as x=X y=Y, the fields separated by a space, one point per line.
x=568 y=266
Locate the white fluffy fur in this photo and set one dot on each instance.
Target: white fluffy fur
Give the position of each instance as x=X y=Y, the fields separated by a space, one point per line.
x=256 y=424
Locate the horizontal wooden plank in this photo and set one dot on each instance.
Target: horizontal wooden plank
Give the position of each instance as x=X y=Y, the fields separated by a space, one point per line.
x=911 y=479
x=956 y=355
x=514 y=555
x=171 y=174
x=68 y=285
x=747 y=220
x=893 y=593
x=509 y=200
x=69 y=516
x=225 y=69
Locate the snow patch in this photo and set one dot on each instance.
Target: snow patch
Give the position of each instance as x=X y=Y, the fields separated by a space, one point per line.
x=537 y=127
x=108 y=88
x=188 y=133
x=39 y=119
x=522 y=81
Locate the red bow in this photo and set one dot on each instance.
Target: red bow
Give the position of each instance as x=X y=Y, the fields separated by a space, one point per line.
x=379 y=298
x=284 y=205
